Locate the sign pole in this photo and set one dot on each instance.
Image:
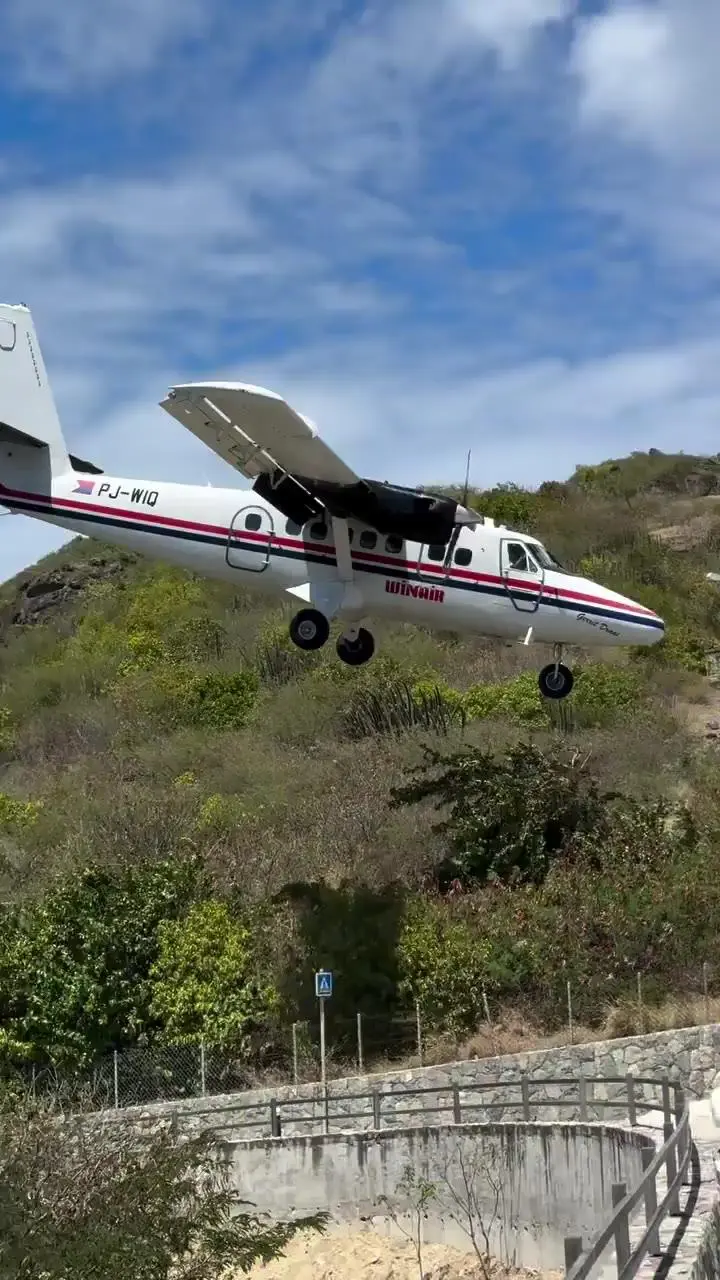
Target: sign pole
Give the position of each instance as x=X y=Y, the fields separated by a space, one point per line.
x=323 y=992
x=323 y=1072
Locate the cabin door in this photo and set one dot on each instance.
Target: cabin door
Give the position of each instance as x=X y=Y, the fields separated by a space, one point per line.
x=523 y=577
x=250 y=539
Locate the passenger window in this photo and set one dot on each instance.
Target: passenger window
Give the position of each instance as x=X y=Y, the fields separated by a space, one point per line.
x=253 y=521
x=463 y=556
x=351 y=534
x=393 y=544
x=368 y=539
x=436 y=552
x=293 y=528
x=318 y=531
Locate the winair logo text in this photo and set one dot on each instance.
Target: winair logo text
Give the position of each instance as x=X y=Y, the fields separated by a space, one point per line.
x=434 y=594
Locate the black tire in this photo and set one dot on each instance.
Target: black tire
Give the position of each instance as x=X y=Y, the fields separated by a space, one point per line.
x=309 y=629
x=556 y=681
x=356 y=652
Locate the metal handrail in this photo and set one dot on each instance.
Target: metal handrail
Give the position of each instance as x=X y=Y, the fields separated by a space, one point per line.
x=677 y=1141
x=674 y=1154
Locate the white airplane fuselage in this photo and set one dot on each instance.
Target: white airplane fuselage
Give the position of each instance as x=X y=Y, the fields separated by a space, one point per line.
x=235 y=536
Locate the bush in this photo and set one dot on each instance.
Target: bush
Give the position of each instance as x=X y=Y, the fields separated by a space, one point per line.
x=449 y=966
x=517 y=699
x=204 y=984
x=75 y=965
x=509 y=817
x=79 y=1200
x=221 y=700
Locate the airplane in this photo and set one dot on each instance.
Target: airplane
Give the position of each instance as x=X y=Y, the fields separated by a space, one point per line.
x=345 y=547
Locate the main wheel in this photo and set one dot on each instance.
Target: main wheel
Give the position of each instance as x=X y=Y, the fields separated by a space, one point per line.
x=356 y=651
x=309 y=629
x=556 y=681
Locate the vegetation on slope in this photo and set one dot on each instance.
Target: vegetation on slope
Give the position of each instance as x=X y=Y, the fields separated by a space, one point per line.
x=194 y=815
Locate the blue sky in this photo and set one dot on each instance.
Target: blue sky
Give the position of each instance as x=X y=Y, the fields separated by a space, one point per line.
x=432 y=225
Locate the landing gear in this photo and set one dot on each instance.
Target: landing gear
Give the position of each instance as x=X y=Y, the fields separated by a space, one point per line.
x=356 y=647
x=556 y=680
x=309 y=629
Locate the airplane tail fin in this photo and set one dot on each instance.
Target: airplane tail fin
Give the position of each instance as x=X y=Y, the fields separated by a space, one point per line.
x=31 y=438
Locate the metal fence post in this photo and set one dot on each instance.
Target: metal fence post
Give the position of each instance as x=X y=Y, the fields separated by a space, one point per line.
x=671 y=1161
x=525 y=1086
x=571 y=1030
x=295 y=1053
x=631 y=1106
x=573 y=1250
x=376 y=1102
x=418 y=1023
x=274 y=1119
x=647 y=1155
x=202 y=1069
x=706 y=997
x=622 y=1227
x=360 y=1043
x=667 y=1113
x=582 y=1090
x=116 y=1089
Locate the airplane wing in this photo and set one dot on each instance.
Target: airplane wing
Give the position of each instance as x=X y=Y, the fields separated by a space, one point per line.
x=280 y=451
x=256 y=431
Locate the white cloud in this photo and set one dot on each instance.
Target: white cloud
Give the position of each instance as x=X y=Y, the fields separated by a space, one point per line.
x=509 y=26
x=650 y=72
x=337 y=235
x=82 y=42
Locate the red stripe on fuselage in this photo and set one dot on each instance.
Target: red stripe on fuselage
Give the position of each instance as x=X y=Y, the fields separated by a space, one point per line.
x=299 y=544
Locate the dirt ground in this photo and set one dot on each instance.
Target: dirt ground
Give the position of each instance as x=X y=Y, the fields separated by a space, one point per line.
x=367 y=1255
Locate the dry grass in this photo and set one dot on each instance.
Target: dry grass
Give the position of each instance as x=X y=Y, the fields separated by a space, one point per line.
x=512 y=1033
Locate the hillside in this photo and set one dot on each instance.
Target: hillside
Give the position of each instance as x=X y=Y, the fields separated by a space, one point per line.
x=194 y=815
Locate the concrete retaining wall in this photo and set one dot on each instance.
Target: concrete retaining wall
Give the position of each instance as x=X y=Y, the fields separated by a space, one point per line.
x=691 y=1056
x=532 y=1184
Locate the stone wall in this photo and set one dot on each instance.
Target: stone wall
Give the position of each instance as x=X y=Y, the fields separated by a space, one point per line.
x=529 y=1185
x=489 y=1088
x=707 y=1260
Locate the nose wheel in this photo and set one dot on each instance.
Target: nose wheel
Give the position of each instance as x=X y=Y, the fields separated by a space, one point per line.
x=556 y=681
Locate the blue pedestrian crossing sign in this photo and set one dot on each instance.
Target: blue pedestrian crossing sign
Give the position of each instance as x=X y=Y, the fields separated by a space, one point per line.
x=323 y=984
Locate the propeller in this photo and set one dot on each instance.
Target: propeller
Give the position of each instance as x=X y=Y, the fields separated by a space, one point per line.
x=467 y=479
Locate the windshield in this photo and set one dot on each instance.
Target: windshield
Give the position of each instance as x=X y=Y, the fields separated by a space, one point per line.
x=544 y=558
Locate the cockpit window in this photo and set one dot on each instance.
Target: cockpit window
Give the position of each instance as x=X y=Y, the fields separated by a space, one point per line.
x=518 y=558
x=543 y=557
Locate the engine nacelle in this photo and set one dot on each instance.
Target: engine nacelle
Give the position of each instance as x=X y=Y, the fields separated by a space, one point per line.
x=411 y=515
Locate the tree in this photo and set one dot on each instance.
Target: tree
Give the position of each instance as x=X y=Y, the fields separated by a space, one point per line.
x=204 y=984
x=80 y=1199
x=509 y=817
x=75 y=965
x=415 y=1195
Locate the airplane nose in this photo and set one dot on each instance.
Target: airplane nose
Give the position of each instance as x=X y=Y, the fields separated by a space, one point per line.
x=644 y=626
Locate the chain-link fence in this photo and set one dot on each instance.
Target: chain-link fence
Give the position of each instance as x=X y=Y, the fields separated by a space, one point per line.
x=366 y=1043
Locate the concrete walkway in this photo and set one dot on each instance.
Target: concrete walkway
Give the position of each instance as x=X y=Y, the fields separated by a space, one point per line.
x=679 y=1236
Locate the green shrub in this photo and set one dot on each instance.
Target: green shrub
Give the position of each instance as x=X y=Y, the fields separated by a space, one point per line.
x=517 y=699
x=221 y=700
x=509 y=817
x=447 y=966
x=204 y=983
